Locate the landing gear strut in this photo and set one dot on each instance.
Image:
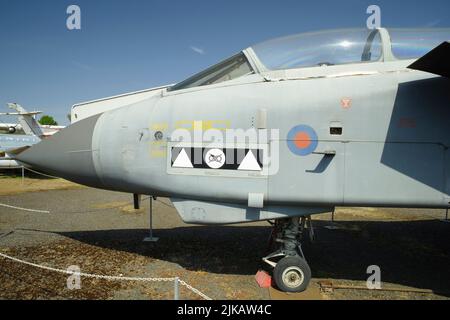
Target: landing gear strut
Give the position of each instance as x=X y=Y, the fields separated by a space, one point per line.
x=291 y=271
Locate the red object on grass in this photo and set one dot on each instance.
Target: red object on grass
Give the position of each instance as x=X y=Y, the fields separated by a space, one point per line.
x=263 y=279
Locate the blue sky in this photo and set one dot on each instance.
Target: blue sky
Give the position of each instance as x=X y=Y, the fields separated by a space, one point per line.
x=136 y=44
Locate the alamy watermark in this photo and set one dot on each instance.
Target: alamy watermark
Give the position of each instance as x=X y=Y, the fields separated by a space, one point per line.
x=374 y=280
x=374 y=20
x=73 y=21
x=74 y=280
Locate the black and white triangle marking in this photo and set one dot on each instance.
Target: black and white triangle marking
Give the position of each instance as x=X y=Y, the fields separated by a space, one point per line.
x=182 y=160
x=249 y=163
x=214 y=159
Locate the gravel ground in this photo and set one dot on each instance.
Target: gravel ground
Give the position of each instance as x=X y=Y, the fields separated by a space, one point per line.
x=101 y=233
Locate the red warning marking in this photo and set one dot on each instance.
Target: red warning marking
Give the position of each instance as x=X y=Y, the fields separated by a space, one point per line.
x=346 y=103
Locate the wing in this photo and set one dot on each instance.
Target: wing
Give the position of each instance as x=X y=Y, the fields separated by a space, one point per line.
x=436 y=61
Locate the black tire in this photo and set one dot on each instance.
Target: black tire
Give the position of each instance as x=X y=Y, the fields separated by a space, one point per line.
x=292 y=274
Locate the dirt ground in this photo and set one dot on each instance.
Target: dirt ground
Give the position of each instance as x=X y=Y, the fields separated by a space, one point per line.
x=16 y=185
x=100 y=232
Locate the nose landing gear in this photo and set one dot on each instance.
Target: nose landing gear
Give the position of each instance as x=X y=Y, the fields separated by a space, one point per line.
x=291 y=271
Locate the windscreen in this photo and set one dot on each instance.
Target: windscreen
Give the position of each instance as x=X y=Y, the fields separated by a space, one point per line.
x=232 y=68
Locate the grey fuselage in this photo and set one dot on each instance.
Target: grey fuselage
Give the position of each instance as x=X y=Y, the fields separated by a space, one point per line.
x=390 y=148
x=392 y=151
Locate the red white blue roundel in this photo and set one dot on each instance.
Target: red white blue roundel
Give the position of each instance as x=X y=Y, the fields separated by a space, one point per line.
x=302 y=140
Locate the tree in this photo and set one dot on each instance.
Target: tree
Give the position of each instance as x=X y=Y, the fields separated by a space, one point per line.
x=48 y=121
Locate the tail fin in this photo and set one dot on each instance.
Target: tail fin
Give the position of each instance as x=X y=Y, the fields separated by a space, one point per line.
x=26 y=120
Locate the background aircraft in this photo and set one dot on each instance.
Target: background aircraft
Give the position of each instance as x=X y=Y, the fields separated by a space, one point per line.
x=12 y=144
x=354 y=118
x=27 y=123
x=16 y=128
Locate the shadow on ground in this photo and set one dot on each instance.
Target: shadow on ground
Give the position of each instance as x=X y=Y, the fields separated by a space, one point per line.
x=413 y=254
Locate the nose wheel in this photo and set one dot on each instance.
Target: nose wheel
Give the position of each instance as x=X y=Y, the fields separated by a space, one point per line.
x=291 y=272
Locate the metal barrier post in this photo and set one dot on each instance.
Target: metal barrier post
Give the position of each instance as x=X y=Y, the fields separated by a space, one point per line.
x=137 y=201
x=177 y=289
x=23 y=175
x=333 y=225
x=446 y=217
x=151 y=238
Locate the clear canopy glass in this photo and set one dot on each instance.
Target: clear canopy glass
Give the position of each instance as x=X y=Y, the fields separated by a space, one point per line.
x=320 y=48
x=415 y=43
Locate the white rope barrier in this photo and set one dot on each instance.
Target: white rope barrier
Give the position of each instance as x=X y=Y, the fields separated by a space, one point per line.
x=88 y=275
x=45 y=211
x=40 y=173
x=204 y=296
x=23 y=209
x=105 y=277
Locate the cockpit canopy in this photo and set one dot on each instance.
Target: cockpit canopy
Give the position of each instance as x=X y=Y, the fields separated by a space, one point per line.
x=324 y=48
x=319 y=49
x=346 y=46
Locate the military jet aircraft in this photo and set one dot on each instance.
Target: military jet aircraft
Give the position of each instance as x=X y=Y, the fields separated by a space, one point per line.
x=318 y=120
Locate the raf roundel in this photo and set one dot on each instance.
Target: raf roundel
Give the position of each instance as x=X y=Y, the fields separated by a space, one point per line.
x=302 y=140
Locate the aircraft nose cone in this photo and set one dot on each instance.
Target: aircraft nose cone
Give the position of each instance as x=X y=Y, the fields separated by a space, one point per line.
x=67 y=154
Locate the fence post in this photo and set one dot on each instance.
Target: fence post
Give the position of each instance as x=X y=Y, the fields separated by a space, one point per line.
x=23 y=175
x=177 y=289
